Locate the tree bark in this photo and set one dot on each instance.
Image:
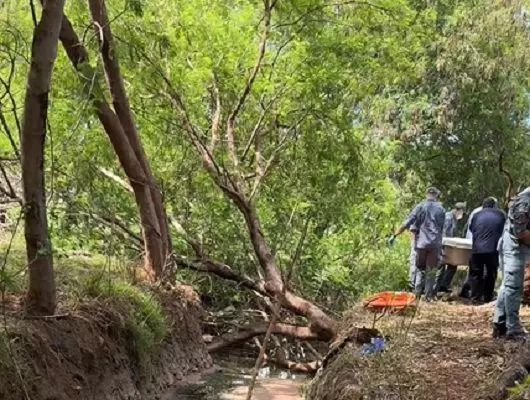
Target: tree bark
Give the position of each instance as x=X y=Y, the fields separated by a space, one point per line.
x=154 y=258
x=156 y=249
x=41 y=293
x=320 y=322
x=125 y=115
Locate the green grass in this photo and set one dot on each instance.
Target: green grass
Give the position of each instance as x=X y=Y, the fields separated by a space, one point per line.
x=144 y=317
x=70 y=269
x=519 y=391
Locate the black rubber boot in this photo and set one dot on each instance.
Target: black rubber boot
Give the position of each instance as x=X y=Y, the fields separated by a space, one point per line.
x=521 y=336
x=499 y=330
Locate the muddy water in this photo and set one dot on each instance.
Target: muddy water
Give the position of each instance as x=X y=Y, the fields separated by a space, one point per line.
x=231 y=383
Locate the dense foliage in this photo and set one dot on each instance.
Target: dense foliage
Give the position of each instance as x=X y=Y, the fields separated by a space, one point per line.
x=361 y=105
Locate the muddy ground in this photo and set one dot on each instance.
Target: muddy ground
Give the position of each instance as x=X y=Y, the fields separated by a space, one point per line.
x=87 y=354
x=443 y=351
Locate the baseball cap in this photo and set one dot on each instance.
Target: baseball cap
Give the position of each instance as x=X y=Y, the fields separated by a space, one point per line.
x=434 y=191
x=461 y=205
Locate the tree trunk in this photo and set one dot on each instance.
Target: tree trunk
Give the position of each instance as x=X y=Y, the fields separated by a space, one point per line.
x=41 y=293
x=147 y=195
x=154 y=258
x=123 y=110
x=320 y=322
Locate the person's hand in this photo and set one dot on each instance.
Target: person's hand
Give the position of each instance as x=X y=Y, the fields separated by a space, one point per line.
x=524 y=237
x=390 y=241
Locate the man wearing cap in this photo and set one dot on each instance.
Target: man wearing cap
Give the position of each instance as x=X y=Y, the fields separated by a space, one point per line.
x=428 y=217
x=486 y=227
x=515 y=253
x=447 y=271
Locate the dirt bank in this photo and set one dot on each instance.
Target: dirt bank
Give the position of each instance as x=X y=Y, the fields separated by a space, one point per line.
x=444 y=352
x=88 y=353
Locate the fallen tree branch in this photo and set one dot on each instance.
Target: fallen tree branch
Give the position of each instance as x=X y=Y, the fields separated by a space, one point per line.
x=223 y=271
x=309 y=368
x=249 y=332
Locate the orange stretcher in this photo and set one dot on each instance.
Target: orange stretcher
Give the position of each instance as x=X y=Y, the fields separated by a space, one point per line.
x=393 y=302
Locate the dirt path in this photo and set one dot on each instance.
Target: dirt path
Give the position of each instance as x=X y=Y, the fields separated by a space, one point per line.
x=445 y=351
x=271 y=389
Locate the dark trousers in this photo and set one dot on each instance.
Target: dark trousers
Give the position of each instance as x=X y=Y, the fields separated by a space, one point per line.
x=426 y=262
x=446 y=273
x=482 y=275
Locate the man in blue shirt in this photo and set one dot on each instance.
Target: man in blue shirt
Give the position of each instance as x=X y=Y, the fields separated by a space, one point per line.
x=486 y=227
x=428 y=217
x=514 y=248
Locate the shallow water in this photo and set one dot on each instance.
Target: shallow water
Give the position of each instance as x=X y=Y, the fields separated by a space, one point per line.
x=231 y=383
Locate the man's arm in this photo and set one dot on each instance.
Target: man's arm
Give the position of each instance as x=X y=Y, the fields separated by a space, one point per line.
x=520 y=219
x=411 y=220
x=524 y=237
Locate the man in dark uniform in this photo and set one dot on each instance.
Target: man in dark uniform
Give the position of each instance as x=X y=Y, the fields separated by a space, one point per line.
x=486 y=227
x=428 y=218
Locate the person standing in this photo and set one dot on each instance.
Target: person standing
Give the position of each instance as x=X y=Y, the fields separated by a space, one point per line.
x=515 y=253
x=446 y=272
x=428 y=218
x=486 y=227
x=465 y=291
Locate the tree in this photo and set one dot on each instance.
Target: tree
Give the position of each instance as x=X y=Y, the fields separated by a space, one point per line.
x=257 y=123
x=470 y=106
x=41 y=290
x=121 y=130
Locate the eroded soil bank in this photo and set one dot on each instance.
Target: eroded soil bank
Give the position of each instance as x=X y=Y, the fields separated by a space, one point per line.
x=444 y=351
x=88 y=353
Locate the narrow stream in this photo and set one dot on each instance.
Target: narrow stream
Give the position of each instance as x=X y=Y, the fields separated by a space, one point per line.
x=231 y=383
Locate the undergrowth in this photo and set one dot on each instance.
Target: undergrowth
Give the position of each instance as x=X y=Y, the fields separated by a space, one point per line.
x=144 y=317
x=82 y=277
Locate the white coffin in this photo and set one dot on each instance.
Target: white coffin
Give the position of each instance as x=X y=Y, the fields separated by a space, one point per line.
x=457 y=251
